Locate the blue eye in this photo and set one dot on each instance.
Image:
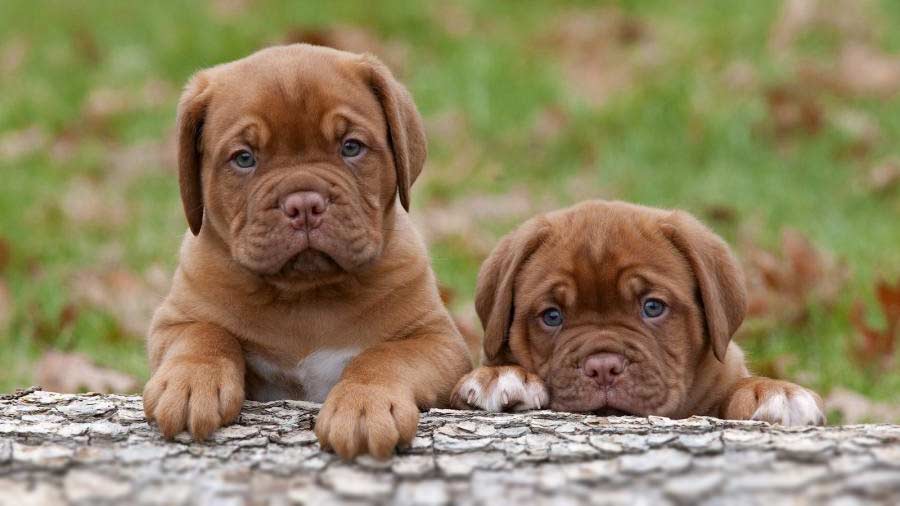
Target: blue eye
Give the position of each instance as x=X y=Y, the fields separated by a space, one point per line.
x=552 y=317
x=351 y=148
x=244 y=159
x=653 y=308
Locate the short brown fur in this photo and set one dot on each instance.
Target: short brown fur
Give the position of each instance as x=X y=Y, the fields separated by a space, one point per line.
x=250 y=289
x=597 y=261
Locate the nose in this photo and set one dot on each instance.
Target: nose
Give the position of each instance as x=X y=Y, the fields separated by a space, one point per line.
x=604 y=367
x=305 y=209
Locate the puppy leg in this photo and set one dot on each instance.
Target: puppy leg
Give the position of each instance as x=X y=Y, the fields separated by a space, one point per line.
x=198 y=379
x=773 y=401
x=500 y=388
x=375 y=406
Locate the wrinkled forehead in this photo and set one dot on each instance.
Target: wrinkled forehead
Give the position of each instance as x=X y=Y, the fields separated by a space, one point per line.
x=293 y=89
x=596 y=256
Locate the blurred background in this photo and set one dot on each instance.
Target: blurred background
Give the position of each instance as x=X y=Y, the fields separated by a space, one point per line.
x=776 y=122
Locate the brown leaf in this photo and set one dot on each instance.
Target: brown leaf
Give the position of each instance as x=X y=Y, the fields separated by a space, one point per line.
x=130 y=298
x=75 y=372
x=877 y=346
x=20 y=143
x=793 y=111
x=230 y=8
x=855 y=408
x=865 y=71
x=602 y=51
x=6 y=306
x=5 y=254
x=850 y=19
x=884 y=177
x=784 y=284
x=464 y=217
x=354 y=39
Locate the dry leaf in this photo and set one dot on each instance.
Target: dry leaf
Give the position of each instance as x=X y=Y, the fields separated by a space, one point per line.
x=230 y=8
x=75 y=372
x=464 y=217
x=602 y=51
x=5 y=254
x=783 y=285
x=130 y=298
x=548 y=124
x=850 y=19
x=103 y=102
x=20 y=143
x=865 y=71
x=86 y=202
x=6 y=307
x=855 y=408
x=792 y=111
x=884 y=177
x=877 y=346
x=354 y=39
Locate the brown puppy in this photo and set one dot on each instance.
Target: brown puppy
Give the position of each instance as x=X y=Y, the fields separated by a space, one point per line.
x=614 y=308
x=304 y=278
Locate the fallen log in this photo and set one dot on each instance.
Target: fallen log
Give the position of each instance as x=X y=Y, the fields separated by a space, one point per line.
x=98 y=449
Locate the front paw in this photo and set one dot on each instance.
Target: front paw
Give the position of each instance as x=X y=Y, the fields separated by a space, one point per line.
x=500 y=388
x=197 y=394
x=358 y=419
x=776 y=402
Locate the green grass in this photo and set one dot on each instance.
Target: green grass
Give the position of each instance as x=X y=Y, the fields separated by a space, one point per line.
x=678 y=136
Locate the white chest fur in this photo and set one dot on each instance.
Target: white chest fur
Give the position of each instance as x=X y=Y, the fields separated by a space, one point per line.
x=315 y=375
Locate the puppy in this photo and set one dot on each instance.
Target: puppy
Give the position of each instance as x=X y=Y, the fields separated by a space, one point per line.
x=614 y=308
x=303 y=277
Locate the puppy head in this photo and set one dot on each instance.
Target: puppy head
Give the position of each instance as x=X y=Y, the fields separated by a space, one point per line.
x=293 y=156
x=614 y=305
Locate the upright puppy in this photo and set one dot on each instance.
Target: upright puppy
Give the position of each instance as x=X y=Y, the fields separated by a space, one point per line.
x=614 y=308
x=303 y=278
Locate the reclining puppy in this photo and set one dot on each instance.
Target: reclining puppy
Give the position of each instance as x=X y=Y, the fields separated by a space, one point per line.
x=614 y=308
x=304 y=277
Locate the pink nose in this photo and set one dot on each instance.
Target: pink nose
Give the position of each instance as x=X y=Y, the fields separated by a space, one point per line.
x=604 y=367
x=305 y=209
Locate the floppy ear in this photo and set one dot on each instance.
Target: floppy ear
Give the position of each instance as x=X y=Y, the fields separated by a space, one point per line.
x=723 y=293
x=405 y=130
x=191 y=113
x=495 y=291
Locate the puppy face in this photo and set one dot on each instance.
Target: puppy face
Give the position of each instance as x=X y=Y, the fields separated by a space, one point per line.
x=615 y=306
x=293 y=157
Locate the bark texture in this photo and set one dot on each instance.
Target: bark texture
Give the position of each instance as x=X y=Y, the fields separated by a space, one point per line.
x=96 y=449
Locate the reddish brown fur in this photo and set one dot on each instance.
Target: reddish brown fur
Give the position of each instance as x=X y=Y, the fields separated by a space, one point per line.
x=597 y=261
x=247 y=283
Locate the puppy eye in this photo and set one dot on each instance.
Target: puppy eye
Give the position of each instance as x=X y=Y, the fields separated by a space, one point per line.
x=552 y=317
x=351 y=148
x=653 y=308
x=244 y=161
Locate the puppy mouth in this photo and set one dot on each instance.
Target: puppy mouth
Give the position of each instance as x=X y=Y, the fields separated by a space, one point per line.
x=310 y=261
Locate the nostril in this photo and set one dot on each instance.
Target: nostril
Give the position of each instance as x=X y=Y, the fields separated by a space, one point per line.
x=604 y=366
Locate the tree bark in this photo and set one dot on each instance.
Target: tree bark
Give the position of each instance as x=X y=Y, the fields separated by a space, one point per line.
x=98 y=449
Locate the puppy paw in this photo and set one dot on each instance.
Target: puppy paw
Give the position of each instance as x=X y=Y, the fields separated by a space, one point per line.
x=358 y=419
x=199 y=395
x=776 y=402
x=500 y=388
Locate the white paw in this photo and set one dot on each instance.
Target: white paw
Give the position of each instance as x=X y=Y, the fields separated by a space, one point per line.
x=794 y=407
x=501 y=388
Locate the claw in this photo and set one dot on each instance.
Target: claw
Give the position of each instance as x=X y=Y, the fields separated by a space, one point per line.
x=505 y=398
x=537 y=402
x=471 y=397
